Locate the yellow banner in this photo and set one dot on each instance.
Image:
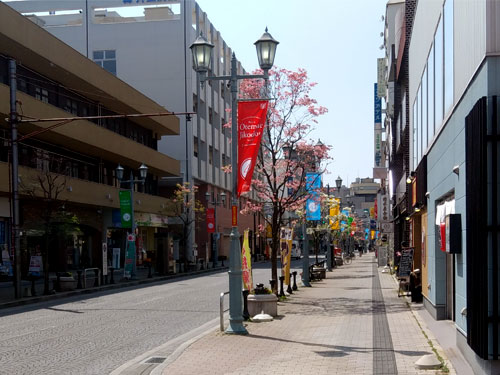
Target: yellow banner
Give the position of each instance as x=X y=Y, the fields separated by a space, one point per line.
x=269 y=231
x=335 y=211
x=286 y=237
x=246 y=263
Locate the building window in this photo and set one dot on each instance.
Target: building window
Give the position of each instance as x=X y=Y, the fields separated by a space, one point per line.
x=22 y=85
x=448 y=55
x=430 y=93
x=71 y=106
x=438 y=74
x=424 y=112
x=106 y=59
x=195 y=147
x=210 y=115
x=210 y=155
x=195 y=103
x=42 y=94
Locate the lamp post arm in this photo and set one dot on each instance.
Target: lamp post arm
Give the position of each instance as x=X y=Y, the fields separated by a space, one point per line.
x=204 y=77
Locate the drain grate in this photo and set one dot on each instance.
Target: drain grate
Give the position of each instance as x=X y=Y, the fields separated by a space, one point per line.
x=155 y=360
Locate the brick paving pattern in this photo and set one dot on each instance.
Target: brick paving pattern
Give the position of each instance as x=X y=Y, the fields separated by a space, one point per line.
x=384 y=359
x=326 y=329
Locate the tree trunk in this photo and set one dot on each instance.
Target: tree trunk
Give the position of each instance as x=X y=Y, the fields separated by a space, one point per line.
x=275 y=245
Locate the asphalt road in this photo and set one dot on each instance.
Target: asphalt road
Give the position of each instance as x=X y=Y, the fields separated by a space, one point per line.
x=96 y=334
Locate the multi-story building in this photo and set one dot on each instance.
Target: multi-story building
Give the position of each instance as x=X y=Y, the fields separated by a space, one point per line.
x=398 y=25
x=451 y=63
x=78 y=158
x=146 y=44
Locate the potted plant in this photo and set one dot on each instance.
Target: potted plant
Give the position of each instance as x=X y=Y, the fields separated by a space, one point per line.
x=262 y=300
x=66 y=282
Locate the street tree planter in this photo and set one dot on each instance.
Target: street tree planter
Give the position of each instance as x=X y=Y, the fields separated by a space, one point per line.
x=67 y=283
x=267 y=303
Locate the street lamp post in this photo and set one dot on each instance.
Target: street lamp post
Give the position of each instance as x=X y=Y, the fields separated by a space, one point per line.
x=215 y=202
x=329 y=251
x=202 y=54
x=143 y=172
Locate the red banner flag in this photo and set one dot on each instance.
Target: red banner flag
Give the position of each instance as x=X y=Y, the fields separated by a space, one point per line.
x=251 y=122
x=210 y=220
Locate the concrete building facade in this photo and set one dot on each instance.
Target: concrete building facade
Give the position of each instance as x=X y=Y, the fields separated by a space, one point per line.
x=146 y=44
x=453 y=105
x=77 y=158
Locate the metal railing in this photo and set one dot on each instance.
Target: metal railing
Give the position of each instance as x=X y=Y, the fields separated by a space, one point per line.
x=221 y=310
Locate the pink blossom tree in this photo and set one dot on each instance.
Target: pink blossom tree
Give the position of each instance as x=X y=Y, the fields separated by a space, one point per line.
x=287 y=152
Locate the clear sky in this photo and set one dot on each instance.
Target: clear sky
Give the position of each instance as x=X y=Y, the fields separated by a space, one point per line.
x=337 y=42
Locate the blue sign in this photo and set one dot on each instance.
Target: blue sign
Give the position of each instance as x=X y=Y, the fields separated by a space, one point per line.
x=313 y=206
x=377 y=106
x=117 y=218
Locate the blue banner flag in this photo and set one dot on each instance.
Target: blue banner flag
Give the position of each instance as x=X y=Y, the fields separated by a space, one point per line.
x=313 y=206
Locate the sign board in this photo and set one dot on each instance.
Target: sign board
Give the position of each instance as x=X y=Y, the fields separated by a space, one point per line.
x=406 y=262
x=381 y=77
x=382 y=255
x=377 y=104
x=377 y=146
x=36 y=265
x=387 y=227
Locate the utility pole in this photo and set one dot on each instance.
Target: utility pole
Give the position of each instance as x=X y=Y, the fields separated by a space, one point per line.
x=15 y=179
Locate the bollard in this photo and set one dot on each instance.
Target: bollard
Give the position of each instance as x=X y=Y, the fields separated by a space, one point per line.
x=272 y=283
x=289 y=288
x=96 y=274
x=112 y=280
x=294 y=273
x=149 y=271
x=246 y=315
x=282 y=292
x=79 y=283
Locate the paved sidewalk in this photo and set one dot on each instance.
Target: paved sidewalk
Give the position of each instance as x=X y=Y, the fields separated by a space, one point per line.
x=351 y=323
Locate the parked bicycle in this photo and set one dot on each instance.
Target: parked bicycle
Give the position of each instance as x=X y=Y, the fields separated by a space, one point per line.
x=348 y=258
